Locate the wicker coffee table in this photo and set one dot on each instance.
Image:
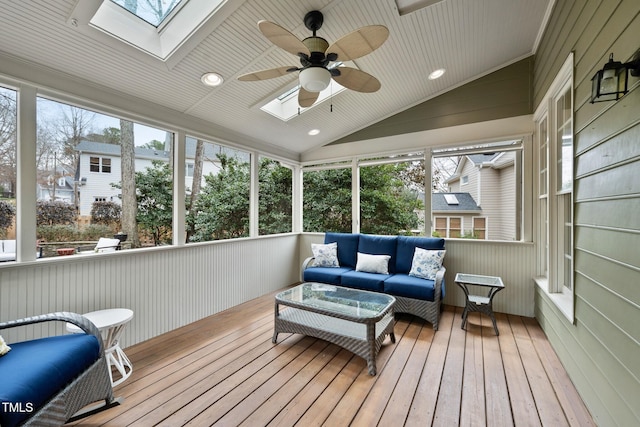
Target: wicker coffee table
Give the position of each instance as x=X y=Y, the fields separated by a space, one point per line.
x=356 y=320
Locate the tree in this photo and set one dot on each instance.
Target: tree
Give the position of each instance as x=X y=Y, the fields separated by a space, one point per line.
x=196 y=185
x=155 y=201
x=128 y=183
x=74 y=125
x=222 y=208
x=327 y=200
x=8 y=147
x=7 y=214
x=275 y=198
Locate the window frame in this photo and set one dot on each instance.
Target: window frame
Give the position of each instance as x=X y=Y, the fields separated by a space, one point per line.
x=554 y=204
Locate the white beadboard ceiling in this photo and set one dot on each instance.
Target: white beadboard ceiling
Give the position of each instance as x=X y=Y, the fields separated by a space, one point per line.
x=469 y=38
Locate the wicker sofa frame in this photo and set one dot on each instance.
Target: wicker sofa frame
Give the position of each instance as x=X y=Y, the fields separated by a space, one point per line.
x=92 y=386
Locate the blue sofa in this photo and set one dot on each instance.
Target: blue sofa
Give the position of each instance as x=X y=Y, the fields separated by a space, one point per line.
x=417 y=296
x=46 y=381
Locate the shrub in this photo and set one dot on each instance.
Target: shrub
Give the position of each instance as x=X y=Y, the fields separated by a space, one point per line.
x=55 y=213
x=7 y=214
x=70 y=233
x=105 y=213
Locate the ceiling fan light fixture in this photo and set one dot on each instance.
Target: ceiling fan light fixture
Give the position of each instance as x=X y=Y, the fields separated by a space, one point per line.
x=315 y=79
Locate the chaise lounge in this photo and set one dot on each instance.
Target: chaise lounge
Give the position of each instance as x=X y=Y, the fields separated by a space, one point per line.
x=46 y=381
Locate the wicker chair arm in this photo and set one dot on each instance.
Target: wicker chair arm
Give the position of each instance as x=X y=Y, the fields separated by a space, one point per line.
x=64 y=316
x=437 y=290
x=306 y=264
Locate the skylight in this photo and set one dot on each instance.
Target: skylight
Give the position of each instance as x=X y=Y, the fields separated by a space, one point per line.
x=156 y=27
x=451 y=199
x=153 y=12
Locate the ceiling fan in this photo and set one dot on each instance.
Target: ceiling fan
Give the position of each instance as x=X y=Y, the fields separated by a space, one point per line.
x=318 y=59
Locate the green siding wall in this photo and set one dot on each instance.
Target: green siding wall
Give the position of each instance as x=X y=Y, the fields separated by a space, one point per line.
x=503 y=93
x=601 y=351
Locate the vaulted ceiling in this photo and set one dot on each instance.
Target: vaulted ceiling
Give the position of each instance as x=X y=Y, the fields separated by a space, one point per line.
x=469 y=38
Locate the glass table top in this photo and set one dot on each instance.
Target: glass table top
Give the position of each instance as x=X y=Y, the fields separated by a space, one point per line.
x=479 y=280
x=335 y=299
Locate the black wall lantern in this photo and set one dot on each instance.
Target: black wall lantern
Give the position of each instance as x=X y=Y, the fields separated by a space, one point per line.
x=610 y=83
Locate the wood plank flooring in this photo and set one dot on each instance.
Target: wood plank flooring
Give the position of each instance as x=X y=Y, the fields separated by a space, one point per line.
x=224 y=370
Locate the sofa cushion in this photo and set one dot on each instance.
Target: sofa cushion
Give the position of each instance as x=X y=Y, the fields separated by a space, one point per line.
x=9 y=246
x=380 y=245
x=403 y=285
x=361 y=280
x=373 y=263
x=325 y=255
x=406 y=249
x=329 y=275
x=347 y=247
x=34 y=371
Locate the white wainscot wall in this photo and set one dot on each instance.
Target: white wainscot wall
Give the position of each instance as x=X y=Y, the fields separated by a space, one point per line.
x=166 y=287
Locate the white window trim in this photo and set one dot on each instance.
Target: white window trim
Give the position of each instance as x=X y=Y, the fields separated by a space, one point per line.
x=562 y=297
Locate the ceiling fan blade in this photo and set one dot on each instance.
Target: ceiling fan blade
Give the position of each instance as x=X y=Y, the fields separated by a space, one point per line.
x=306 y=98
x=267 y=74
x=357 y=80
x=359 y=42
x=282 y=38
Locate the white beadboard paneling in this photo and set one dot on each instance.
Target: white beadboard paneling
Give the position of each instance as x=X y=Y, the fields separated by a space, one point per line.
x=165 y=287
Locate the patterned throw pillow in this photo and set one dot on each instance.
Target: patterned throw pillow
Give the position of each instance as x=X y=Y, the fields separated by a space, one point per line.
x=4 y=348
x=325 y=255
x=426 y=263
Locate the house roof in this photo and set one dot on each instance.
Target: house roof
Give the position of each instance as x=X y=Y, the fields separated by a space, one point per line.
x=466 y=203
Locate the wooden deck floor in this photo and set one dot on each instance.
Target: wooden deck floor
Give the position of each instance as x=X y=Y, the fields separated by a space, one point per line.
x=225 y=371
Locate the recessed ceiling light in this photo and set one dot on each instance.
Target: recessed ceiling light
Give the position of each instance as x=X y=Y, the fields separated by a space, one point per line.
x=313 y=132
x=212 y=79
x=436 y=74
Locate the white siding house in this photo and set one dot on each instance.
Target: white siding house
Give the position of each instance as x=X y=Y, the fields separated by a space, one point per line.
x=99 y=168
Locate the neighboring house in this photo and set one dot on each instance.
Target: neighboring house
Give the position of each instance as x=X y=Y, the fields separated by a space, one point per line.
x=99 y=166
x=457 y=215
x=481 y=201
x=60 y=189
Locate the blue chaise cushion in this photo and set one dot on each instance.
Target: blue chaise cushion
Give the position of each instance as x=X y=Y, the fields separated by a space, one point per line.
x=407 y=246
x=34 y=371
x=380 y=245
x=347 y=247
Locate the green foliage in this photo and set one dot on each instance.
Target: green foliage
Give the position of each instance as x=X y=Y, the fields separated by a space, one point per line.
x=55 y=213
x=71 y=233
x=327 y=200
x=107 y=213
x=275 y=198
x=7 y=214
x=386 y=204
x=155 y=201
x=222 y=208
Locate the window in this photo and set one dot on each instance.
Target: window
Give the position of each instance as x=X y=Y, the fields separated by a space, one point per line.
x=327 y=199
x=477 y=185
x=554 y=147
x=275 y=197
x=99 y=164
x=218 y=207
x=120 y=167
x=188 y=173
x=8 y=170
x=390 y=189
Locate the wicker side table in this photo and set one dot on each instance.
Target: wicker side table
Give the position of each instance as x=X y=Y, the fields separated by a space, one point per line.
x=479 y=303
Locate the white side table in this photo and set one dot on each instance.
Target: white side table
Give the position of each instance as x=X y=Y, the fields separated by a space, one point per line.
x=111 y=323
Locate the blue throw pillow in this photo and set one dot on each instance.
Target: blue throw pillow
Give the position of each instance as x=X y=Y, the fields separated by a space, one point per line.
x=325 y=255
